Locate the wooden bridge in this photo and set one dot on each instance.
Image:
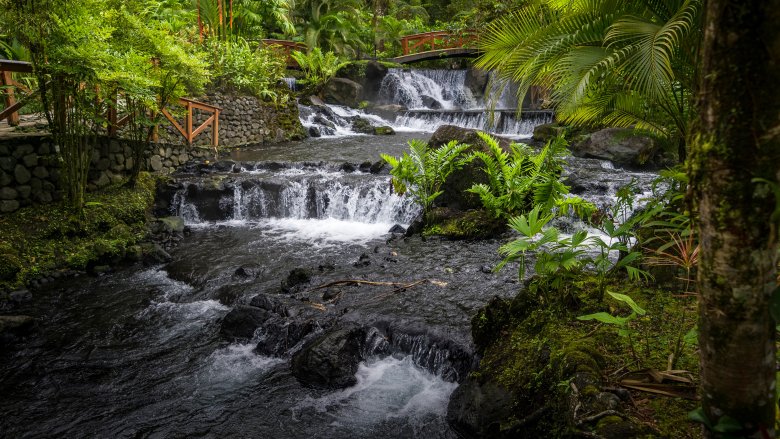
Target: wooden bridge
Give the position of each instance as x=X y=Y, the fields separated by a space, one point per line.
x=286 y=48
x=114 y=120
x=437 y=45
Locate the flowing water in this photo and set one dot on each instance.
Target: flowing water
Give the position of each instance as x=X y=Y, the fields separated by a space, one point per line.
x=138 y=353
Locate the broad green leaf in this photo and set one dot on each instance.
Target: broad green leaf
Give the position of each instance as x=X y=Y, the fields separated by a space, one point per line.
x=628 y=301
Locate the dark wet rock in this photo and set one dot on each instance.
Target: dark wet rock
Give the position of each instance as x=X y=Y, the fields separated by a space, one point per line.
x=375 y=72
x=330 y=361
x=416 y=226
x=154 y=254
x=296 y=279
x=548 y=131
x=20 y=296
x=365 y=167
x=579 y=183
x=476 y=81
x=342 y=91
x=431 y=102
x=223 y=165
x=326 y=266
x=486 y=269
x=248 y=272
x=623 y=147
x=363 y=261
x=13 y=328
x=228 y=295
x=478 y=409
x=348 y=167
x=362 y=125
x=397 y=229
x=377 y=167
x=270 y=303
x=331 y=294
x=242 y=322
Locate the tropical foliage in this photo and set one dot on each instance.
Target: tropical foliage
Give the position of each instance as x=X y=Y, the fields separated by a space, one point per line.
x=423 y=170
x=607 y=62
x=522 y=179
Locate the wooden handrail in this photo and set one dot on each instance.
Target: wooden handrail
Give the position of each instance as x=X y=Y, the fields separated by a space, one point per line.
x=428 y=41
x=286 y=48
x=11 y=111
x=187 y=131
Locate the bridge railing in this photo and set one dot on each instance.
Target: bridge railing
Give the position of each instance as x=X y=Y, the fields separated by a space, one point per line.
x=285 y=48
x=438 y=40
x=12 y=106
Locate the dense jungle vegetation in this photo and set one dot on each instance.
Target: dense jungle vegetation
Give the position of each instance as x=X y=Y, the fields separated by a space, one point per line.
x=689 y=285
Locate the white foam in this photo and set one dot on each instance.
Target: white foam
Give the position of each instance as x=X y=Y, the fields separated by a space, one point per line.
x=385 y=389
x=324 y=231
x=236 y=362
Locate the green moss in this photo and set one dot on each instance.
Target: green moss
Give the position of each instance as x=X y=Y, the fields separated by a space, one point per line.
x=41 y=239
x=537 y=352
x=473 y=224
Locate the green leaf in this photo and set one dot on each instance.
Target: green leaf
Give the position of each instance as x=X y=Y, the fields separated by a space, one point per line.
x=628 y=301
x=604 y=317
x=699 y=416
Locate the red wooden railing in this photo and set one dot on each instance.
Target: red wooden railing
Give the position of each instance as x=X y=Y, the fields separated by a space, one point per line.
x=11 y=110
x=285 y=48
x=438 y=40
x=187 y=130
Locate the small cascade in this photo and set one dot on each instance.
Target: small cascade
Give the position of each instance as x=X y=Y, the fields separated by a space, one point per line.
x=504 y=123
x=292 y=83
x=294 y=194
x=335 y=120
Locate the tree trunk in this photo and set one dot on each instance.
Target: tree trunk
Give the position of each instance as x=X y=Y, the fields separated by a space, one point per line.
x=736 y=140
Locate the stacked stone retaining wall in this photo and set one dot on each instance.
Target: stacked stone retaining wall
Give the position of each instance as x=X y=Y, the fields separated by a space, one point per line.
x=30 y=167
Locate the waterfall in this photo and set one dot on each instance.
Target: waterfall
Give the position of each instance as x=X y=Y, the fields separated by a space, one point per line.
x=292 y=83
x=444 y=97
x=297 y=195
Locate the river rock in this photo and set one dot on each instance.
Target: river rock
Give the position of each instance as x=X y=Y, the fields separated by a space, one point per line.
x=477 y=410
x=170 y=224
x=242 y=321
x=383 y=131
x=388 y=111
x=455 y=195
x=397 y=229
x=372 y=81
x=548 y=131
x=362 y=125
x=14 y=327
x=248 y=271
x=331 y=360
x=342 y=91
x=377 y=167
x=314 y=132
x=622 y=146
x=431 y=102
x=296 y=279
x=476 y=81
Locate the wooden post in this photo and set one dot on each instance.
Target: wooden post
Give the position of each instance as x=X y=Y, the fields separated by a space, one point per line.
x=405 y=45
x=215 y=130
x=13 y=118
x=188 y=106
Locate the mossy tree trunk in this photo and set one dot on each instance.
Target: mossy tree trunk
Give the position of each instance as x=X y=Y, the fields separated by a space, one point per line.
x=736 y=140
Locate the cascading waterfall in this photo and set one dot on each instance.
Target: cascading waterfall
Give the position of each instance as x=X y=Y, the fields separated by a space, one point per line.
x=332 y=202
x=443 y=97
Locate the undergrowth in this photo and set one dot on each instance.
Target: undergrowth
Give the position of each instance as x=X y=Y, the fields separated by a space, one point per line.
x=40 y=239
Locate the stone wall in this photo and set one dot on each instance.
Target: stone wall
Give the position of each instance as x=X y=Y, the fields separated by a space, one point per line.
x=244 y=120
x=30 y=167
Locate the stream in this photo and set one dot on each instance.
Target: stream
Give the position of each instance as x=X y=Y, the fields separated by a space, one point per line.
x=139 y=354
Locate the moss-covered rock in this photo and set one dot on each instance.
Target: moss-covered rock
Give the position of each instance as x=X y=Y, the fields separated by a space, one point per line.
x=455 y=224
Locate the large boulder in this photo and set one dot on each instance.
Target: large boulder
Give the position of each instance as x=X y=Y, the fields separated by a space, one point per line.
x=362 y=125
x=477 y=81
x=478 y=409
x=331 y=361
x=388 y=111
x=374 y=74
x=242 y=322
x=431 y=102
x=548 y=131
x=455 y=195
x=342 y=91
x=622 y=146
